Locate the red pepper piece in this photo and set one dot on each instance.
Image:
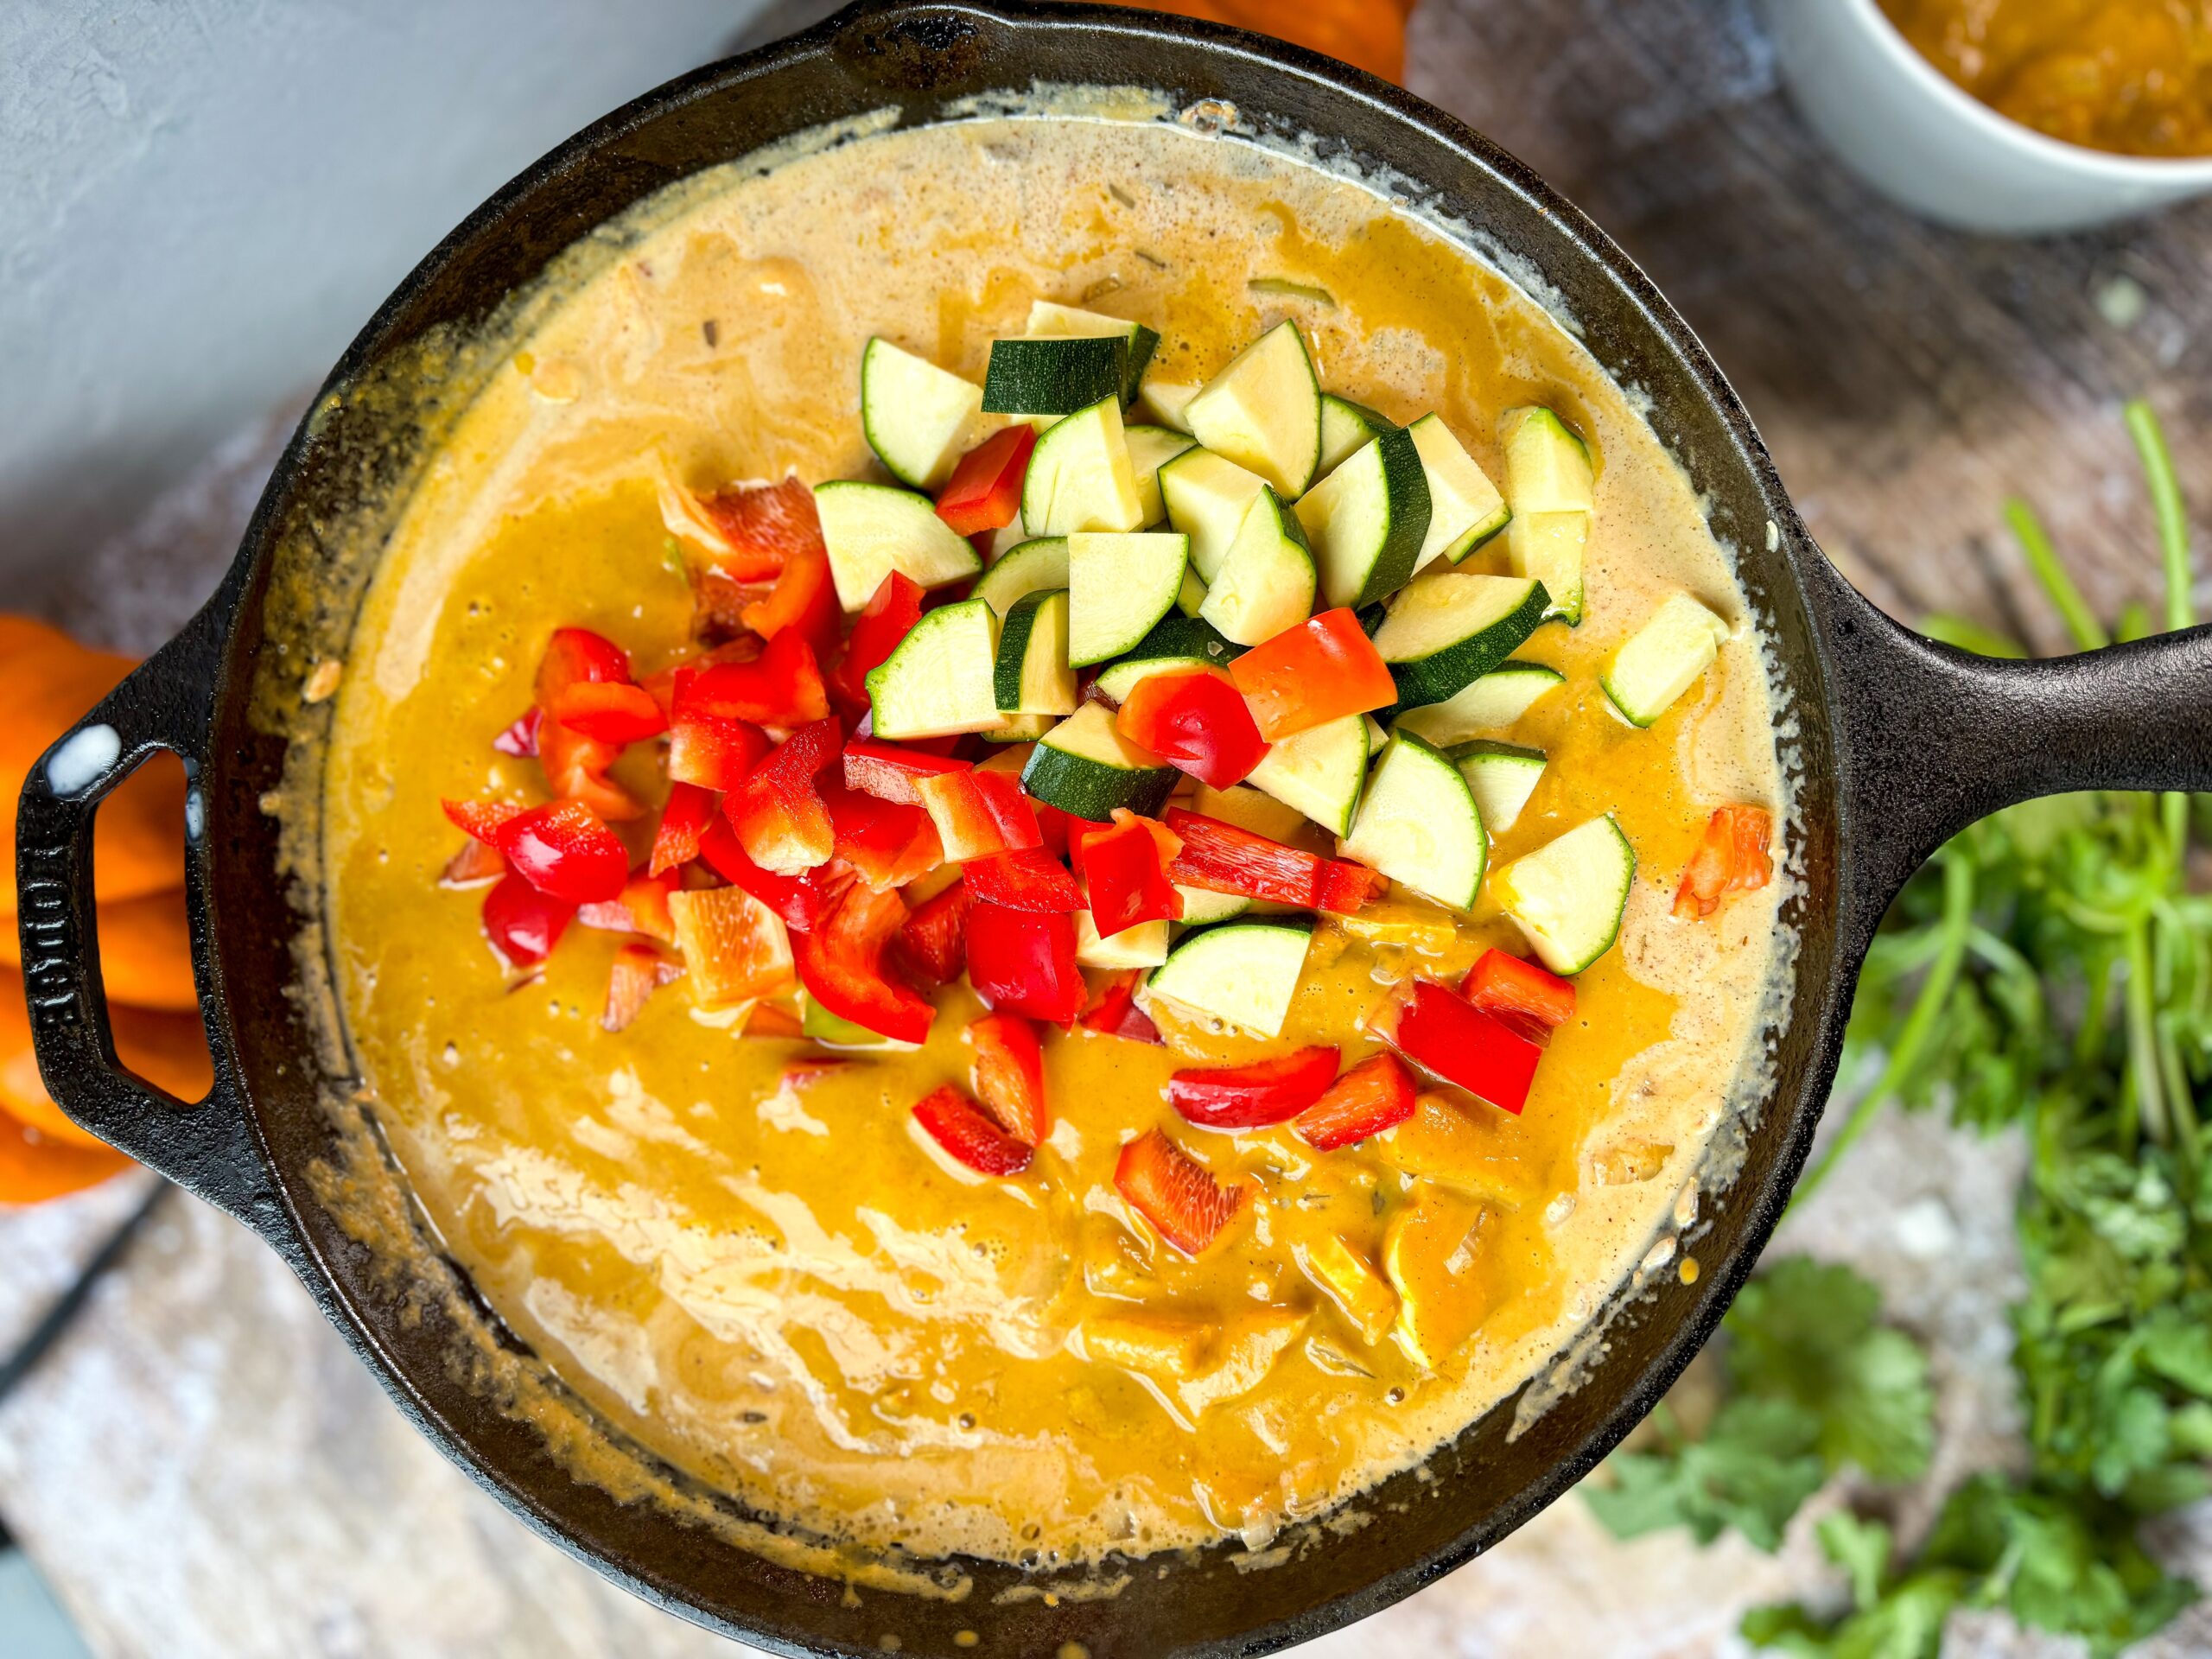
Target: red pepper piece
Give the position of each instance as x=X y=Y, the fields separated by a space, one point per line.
x=1448 y=1036
x=640 y=907
x=1022 y=961
x=888 y=844
x=1199 y=721
x=475 y=864
x=1375 y=1095
x=711 y=751
x=800 y=900
x=521 y=738
x=1175 y=1193
x=523 y=924
x=638 y=971
x=610 y=714
x=985 y=490
x=682 y=821
x=967 y=1136
x=932 y=946
x=1122 y=876
x=1319 y=670
x=841 y=965
x=1732 y=858
x=481 y=820
x=1116 y=1014
x=777 y=812
x=1052 y=825
x=1009 y=1075
x=885 y=620
x=1520 y=992
x=1225 y=858
x=1029 y=880
x=1348 y=888
x=780 y=687
x=575 y=762
x=774 y=532
x=979 y=813
x=1252 y=1096
x=890 y=772
x=565 y=851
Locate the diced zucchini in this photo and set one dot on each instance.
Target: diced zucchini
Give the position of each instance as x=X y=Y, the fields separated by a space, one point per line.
x=835 y=1031
x=1055 y=377
x=1549 y=486
x=1465 y=508
x=1501 y=776
x=1206 y=498
x=1320 y=771
x=1264 y=411
x=1178 y=643
x=1167 y=401
x=1050 y=321
x=1082 y=765
x=1118 y=586
x=1033 y=674
x=1190 y=597
x=1018 y=728
x=1377 y=735
x=1243 y=972
x=1202 y=906
x=1549 y=547
x=1568 y=896
x=871 y=529
x=1366 y=521
x=916 y=415
x=1150 y=448
x=1451 y=627
x=1026 y=567
x=1420 y=826
x=942 y=678
x=1348 y=1280
x=1491 y=703
x=1662 y=659
x=1249 y=809
x=1080 y=475
x=1345 y=427
x=1144 y=945
x=1266 y=582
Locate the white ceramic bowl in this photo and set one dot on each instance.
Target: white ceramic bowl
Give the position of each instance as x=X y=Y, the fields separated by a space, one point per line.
x=1933 y=147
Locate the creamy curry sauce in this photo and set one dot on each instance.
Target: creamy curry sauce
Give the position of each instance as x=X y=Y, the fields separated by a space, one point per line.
x=781 y=1288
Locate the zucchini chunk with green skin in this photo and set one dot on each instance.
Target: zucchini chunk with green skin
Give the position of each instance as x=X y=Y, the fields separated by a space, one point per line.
x=916 y=416
x=1266 y=582
x=1025 y=568
x=1119 y=587
x=1054 y=377
x=1085 y=766
x=1167 y=401
x=1243 y=973
x=1080 y=475
x=1150 y=448
x=1501 y=776
x=1346 y=426
x=1178 y=643
x=871 y=529
x=1144 y=945
x=1202 y=906
x=1190 y=597
x=1249 y=809
x=1465 y=508
x=1050 y=321
x=1452 y=627
x=943 y=677
x=1018 y=728
x=1568 y=896
x=1491 y=703
x=1206 y=498
x=1366 y=521
x=1320 y=771
x=1418 y=825
x=835 y=1031
x=1033 y=674
x=1550 y=488
x=1662 y=659
x=1264 y=411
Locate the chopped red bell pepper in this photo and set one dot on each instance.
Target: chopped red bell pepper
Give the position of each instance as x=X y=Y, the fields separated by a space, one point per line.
x=888 y=844
x=1319 y=670
x=1123 y=874
x=1029 y=880
x=1023 y=962
x=841 y=965
x=1346 y=888
x=682 y=821
x=885 y=620
x=1053 y=825
x=565 y=850
x=1175 y=1193
x=932 y=946
x=1253 y=1096
x=1375 y=1095
x=979 y=813
x=1442 y=1032
x=1116 y=1014
x=967 y=1136
x=1008 y=1076
x=1226 y=858
x=575 y=762
x=890 y=771
x=475 y=864
x=801 y=900
x=1198 y=720
x=736 y=948
x=638 y=971
x=1520 y=992
x=609 y=714
x=523 y=924
x=1732 y=858
x=774 y=531
x=640 y=907
x=777 y=812
x=481 y=820
x=577 y=656
x=520 y=739
x=711 y=751
x=985 y=490
x=780 y=687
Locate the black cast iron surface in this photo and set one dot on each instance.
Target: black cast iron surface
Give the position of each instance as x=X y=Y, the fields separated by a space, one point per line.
x=1897 y=743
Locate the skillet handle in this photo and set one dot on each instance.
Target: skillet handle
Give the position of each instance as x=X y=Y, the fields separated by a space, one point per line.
x=210 y=1149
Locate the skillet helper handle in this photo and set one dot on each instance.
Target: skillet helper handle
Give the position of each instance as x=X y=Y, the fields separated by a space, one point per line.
x=165 y=704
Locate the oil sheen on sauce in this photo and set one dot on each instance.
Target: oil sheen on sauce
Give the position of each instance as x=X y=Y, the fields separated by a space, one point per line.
x=777 y=1287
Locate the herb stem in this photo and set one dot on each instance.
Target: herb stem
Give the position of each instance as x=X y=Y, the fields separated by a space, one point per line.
x=2142 y=1037
x=2042 y=559
x=2172 y=515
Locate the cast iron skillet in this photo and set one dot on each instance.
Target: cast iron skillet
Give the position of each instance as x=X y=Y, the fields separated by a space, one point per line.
x=1898 y=742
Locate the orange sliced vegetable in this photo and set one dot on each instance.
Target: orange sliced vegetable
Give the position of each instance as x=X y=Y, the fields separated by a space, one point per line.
x=1732 y=858
x=735 y=947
